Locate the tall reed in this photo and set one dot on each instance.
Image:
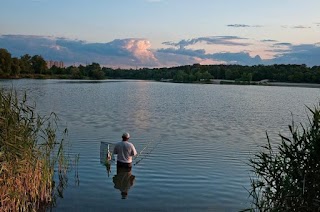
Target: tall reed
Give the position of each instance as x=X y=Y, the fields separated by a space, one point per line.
x=29 y=154
x=287 y=178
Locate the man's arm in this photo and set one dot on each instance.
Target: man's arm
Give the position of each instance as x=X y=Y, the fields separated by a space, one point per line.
x=134 y=151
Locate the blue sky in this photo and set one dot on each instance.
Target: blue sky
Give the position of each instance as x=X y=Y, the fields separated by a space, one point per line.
x=156 y=33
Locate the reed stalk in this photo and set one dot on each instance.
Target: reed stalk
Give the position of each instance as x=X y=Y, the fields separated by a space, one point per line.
x=29 y=155
x=287 y=177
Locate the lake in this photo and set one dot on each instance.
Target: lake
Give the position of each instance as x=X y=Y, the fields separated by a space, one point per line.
x=203 y=135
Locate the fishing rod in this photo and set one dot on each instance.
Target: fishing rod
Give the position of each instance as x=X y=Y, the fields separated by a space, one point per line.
x=154 y=143
x=148 y=144
x=136 y=163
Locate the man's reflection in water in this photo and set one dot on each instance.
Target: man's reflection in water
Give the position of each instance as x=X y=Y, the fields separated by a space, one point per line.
x=123 y=181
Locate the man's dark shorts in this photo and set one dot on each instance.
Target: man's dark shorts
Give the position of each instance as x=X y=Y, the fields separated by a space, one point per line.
x=124 y=166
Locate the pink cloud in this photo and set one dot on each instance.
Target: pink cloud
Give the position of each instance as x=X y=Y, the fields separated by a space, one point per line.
x=140 y=49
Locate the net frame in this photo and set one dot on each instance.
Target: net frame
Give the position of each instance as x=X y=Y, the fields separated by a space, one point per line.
x=105 y=149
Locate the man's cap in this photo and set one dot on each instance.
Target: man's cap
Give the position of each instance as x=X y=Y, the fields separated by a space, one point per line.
x=126 y=135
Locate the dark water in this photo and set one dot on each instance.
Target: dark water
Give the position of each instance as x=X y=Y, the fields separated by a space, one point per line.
x=205 y=136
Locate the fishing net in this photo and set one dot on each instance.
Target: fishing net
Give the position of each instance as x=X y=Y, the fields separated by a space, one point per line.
x=105 y=149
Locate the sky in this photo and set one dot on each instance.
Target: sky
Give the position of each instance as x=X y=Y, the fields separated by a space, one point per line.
x=163 y=33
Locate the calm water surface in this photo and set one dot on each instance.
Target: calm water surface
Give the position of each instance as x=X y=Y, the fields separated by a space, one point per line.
x=205 y=136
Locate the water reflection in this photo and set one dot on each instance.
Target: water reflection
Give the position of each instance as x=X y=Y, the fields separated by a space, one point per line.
x=108 y=167
x=123 y=181
x=141 y=113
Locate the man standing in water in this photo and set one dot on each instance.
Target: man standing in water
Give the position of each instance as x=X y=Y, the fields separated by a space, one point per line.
x=125 y=151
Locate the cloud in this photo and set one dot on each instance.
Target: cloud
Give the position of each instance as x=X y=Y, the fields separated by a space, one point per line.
x=176 y=57
x=279 y=47
x=242 y=25
x=221 y=40
x=242 y=58
x=282 y=44
x=296 y=27
x=268 y=40
x=308 y=54
x=182 y=51
x=238 y=25
x=200 y=54
x=171 y=59
x=283 y=52
x=300 y=27
x=139 y=48
x=120 y=52
x=137 y=52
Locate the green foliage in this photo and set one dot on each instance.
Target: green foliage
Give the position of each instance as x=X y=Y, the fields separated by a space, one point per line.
x=180 y=76
x=75 y=73
x=288 y=178
x=56 y=70
x=38 y=64
x=94 y=71
x=15 y=67
x=5 y=61
x=25 y=64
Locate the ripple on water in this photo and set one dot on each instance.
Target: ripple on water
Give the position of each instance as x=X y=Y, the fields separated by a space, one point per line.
x=206 y=135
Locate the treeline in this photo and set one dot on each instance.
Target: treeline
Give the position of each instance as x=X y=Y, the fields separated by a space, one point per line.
x=196 y=72
x=35 y=66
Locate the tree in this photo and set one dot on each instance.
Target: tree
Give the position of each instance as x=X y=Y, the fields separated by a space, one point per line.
x=5 y=62
x=228 y=75
x=38 y=64
x=207 y=76
x=15 y=66
x=75 y=73
x=198 y=75
x=56 y=70
x=94 y=71
x=25 y=64
x=97 y=74
x=180 y=76
x=246 y=77
x=82 y=70
x=191 y=78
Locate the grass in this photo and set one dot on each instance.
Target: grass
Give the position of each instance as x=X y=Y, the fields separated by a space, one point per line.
x=29 y=154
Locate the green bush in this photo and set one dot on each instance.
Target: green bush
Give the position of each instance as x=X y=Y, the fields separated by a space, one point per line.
x=287 y=178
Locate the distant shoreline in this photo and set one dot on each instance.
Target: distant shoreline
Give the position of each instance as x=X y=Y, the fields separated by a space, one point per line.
x=306 y=85
x=213 y=82
x=284 y=84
